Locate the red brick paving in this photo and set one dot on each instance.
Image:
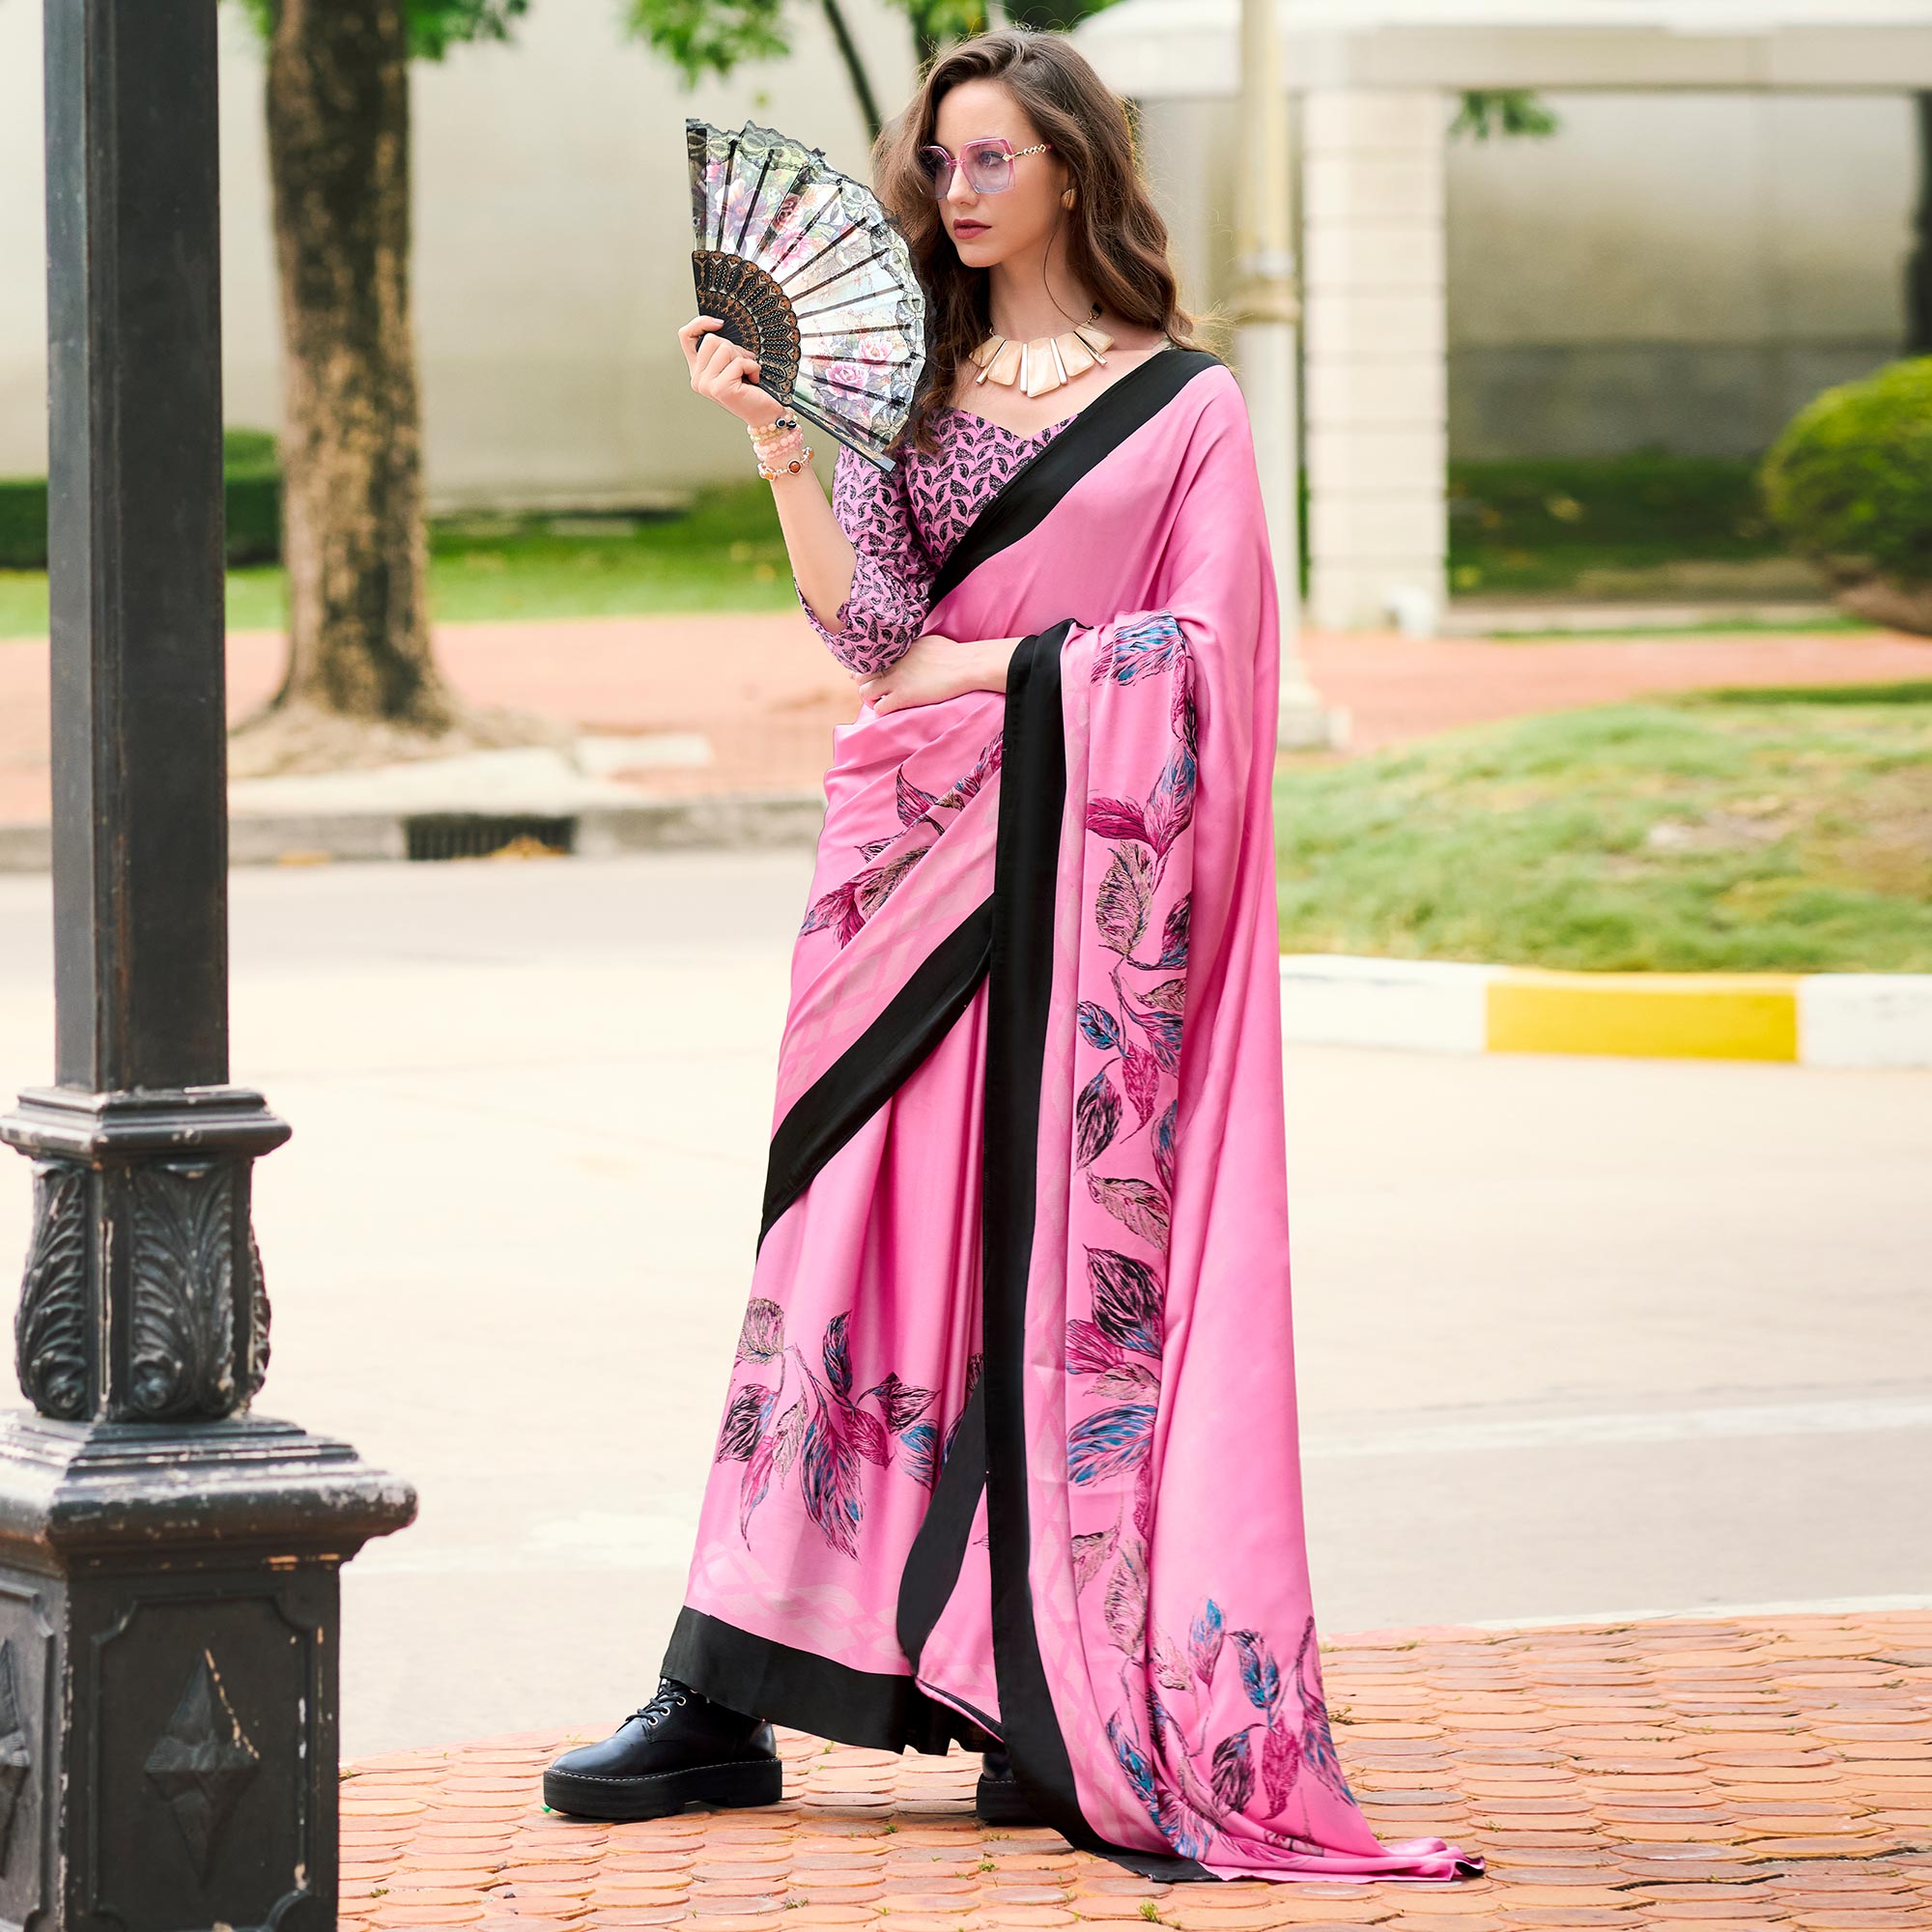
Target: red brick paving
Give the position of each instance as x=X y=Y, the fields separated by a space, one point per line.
x=766 y=692
x=1657 y=1775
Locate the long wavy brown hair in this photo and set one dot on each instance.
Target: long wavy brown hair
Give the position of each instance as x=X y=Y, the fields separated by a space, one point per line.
x=1116 y=241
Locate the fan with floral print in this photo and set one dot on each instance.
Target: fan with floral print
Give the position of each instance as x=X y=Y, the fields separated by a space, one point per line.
x=808 y=271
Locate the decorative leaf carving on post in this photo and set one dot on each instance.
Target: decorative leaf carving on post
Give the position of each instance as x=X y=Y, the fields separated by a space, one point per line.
x=258 y=1322
x=50 y=1325
x=181 y=1275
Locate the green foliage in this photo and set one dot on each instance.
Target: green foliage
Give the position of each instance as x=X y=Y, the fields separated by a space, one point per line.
x=1703 y=833
x=701 y=36
x=1850 y=481
x=437 y=25
x=725 y=553
x=252 y=471
x=253 y=482
x=434 y=25
x=23 y=523
x=1509 y=112
x=1054 y=17
x=938 y=21
x=1910 y=691
x=1534 y=524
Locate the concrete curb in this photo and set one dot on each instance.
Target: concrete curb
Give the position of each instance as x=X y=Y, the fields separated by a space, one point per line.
x=1816 y=1019
x=718 y=821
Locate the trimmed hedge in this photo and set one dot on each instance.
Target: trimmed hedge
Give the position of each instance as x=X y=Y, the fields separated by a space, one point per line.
x=253 y=480
x=1697 y=505
x=1850 y=483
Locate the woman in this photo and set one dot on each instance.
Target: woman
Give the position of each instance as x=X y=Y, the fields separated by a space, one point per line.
x=1009 y=1453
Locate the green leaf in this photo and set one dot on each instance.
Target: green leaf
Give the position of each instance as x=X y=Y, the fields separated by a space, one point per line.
x=701 y=37
x=1511 y=112
x=434 y=25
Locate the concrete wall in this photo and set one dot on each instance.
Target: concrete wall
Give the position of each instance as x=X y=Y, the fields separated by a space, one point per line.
x=1681 y=270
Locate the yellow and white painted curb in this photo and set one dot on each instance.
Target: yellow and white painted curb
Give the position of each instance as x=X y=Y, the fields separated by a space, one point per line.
x=1817 y=1019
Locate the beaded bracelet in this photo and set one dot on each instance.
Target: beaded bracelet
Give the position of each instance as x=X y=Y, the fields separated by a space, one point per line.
x=791 y=469
x=763 y=432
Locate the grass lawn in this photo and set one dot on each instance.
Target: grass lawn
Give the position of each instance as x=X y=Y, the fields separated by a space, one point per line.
x=726 y=554
x=1836 y=624
x=1780 y=830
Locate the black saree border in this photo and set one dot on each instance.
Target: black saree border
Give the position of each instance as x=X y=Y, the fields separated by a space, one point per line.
x=938 y=1551
x=1022 y=501
x=877 y=1063
x=1033 y=793
x=764 y=1678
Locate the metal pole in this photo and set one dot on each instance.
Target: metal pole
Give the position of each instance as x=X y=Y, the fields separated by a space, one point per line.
x=1267 y=314
x=169 y=1564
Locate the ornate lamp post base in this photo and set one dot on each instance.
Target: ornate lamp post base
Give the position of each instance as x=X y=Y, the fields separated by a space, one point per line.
x=169 y=1641
x=169 y=1566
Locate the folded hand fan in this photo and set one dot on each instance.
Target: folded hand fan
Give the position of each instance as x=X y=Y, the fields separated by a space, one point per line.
x=809 y=273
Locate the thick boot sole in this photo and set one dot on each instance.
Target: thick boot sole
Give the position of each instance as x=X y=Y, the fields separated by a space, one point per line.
x=997 y=1800
x=715 y=1786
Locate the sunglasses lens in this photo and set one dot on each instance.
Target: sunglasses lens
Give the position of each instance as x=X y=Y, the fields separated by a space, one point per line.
x=990 y=170
x=938 y=166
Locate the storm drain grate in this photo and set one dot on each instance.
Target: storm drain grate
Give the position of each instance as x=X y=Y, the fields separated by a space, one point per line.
x=471 y=835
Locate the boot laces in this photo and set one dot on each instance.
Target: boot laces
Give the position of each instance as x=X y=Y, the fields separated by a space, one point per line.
x=668 y=1694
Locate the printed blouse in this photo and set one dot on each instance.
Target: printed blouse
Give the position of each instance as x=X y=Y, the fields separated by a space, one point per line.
x=903 y=523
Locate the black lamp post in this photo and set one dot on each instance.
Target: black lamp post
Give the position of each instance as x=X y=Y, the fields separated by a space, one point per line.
x=169 y=1564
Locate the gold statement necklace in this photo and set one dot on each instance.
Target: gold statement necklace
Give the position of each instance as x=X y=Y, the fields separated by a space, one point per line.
x=1042 y=362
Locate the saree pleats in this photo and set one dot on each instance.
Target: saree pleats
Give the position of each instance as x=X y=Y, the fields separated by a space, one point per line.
x=1010 y=1448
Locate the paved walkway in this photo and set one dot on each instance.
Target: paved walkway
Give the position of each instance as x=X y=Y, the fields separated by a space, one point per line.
x=1666 y=1773
x=766 y=693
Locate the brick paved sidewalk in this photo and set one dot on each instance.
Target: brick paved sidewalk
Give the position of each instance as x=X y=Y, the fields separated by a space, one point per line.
x=1659 y=1773
x=766 y=692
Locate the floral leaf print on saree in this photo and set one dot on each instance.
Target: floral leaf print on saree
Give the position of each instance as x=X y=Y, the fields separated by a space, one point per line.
x=1259 y=1767
x=1202 y=1744
x=924 y=817
x=825 y=1433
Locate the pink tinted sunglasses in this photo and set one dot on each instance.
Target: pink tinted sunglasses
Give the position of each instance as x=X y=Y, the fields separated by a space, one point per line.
x=988 y=162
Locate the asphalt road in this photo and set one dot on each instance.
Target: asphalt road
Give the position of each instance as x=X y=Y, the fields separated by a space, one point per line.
x=1577 y=1337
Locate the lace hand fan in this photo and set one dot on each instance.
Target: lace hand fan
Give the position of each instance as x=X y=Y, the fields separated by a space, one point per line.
x=809 y=273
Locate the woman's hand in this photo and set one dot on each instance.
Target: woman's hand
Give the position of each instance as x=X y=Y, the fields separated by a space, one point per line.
x=726 y=372
x=937 y=668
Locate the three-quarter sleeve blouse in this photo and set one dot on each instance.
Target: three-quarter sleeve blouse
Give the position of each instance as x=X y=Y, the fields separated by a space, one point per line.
x=903 y=523
x=893 y=573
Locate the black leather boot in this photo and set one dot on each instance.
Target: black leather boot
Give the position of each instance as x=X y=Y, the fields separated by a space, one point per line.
x=997 y=1799
x=677 y=1749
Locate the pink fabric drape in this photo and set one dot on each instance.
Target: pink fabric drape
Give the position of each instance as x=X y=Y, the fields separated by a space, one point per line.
x=1010 y=1450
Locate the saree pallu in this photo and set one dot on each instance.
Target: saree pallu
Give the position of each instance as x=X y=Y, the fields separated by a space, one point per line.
x=1010 y=1449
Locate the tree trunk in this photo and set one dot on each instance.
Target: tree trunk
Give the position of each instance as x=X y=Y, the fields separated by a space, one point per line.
x=855 y=68
x=1919 y=264
x=338 y=117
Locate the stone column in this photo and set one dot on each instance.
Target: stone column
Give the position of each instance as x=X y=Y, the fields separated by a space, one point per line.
x=1266 y=310
x=1377 y=352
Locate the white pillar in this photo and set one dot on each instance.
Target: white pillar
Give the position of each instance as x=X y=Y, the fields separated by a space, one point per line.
x=1376 y=355
x=1266 y=312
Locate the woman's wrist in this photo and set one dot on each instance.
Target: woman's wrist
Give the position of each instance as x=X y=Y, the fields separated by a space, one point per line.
x=997 y=659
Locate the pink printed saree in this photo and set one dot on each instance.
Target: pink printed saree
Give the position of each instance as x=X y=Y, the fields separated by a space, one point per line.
x=1010 y=1447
